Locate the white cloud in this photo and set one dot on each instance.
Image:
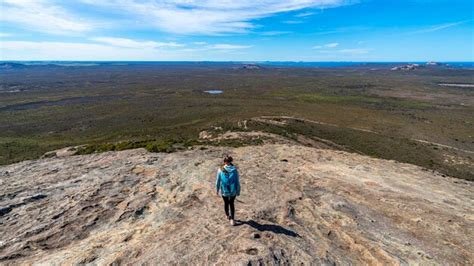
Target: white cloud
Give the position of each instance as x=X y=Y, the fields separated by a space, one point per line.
x=27 y=50
x=439 y=27
x=354 y=51
x=85 y=51
x=128 y=43
x=348 y=51
x=304 y=14
x=41 y=15
x=225 y=46
x=331 y=45
x=341 y=30
x=3 y=34
x=293 y=21
x=328 y=45
x=274 y=33
x=208 y=16
x=199 y=43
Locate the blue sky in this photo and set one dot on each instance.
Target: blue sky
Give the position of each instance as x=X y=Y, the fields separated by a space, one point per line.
x=247 y=30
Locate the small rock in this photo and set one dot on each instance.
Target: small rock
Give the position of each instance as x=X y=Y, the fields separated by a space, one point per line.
x=205 y=135
x=252 y=251
x=284 y=160
x=256 y=235
x=268 y=235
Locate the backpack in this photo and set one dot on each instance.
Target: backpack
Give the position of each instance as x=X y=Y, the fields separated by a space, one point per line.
x=228 y=180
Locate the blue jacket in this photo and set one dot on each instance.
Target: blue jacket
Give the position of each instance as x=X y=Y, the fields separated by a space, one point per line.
x=227 y=181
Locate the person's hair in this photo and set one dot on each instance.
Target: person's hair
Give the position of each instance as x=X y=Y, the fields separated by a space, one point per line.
x=228 y=159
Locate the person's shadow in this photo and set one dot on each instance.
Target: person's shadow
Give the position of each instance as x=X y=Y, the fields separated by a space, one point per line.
x=268 y=227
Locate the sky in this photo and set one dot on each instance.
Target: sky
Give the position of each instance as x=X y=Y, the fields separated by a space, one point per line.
x=246 y=30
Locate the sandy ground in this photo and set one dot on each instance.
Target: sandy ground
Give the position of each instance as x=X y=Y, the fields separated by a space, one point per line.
x=298 y=205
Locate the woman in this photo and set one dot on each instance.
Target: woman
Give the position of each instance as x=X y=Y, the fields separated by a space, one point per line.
x=227 y=182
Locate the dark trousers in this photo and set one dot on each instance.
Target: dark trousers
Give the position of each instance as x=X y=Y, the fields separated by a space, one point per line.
x=229 y=203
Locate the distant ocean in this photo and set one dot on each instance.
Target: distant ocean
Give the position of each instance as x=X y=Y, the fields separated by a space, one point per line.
x=235 y=63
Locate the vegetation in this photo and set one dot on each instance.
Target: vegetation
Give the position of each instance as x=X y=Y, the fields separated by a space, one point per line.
x=369 y=143
x=164 y=107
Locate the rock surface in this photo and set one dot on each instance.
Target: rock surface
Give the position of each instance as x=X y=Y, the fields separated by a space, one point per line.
x=298 y=205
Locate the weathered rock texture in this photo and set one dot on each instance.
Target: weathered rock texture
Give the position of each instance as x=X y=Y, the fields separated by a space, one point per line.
x=298 y=205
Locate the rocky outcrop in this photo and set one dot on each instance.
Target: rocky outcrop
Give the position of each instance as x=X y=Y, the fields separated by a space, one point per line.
x=298 y=205
x=406 y=67
x=251 y=67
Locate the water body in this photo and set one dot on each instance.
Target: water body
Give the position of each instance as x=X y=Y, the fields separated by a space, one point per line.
x=214 y=91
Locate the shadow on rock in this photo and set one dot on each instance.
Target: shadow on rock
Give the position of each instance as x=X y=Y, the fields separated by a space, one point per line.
x=269 y=227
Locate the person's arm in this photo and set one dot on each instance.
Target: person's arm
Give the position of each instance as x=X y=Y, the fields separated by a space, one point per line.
x=238 y=184
x=218 y=182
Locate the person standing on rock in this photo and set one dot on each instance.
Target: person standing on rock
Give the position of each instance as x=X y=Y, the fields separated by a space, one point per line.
x=227 y=182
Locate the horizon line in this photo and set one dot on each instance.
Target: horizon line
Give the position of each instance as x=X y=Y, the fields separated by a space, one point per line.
x=234 y=61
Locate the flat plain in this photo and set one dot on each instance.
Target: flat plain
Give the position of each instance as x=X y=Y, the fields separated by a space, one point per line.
x=405 y=116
